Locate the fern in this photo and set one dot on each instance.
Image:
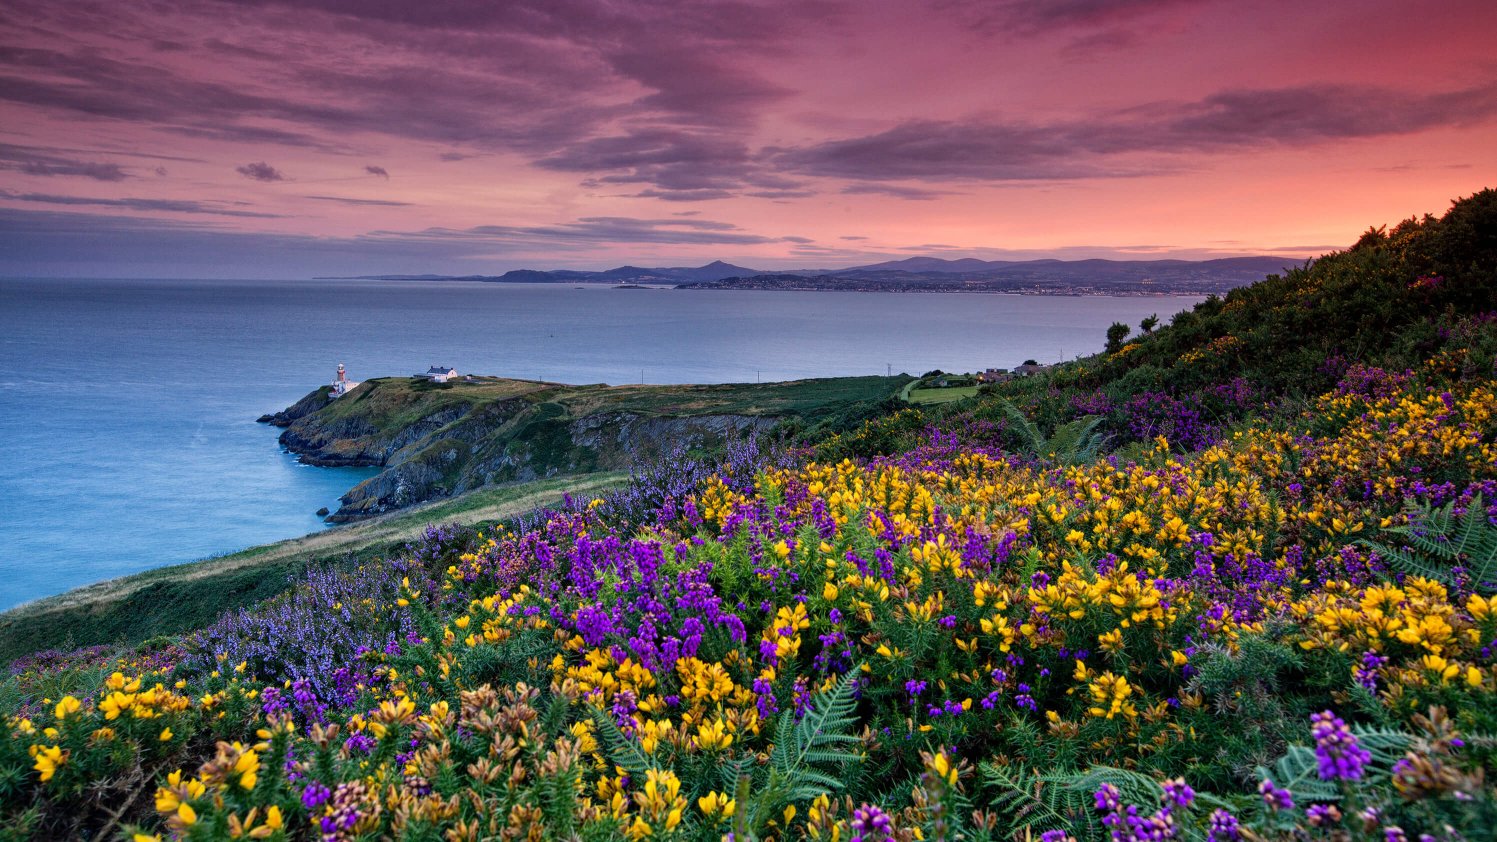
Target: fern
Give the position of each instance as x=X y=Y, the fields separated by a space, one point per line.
x=822 y=738
x=1299 y=772
x=1072 y=443
x=624 y=752
x=1437 y=541
x=1063 y=799
x=1029 y=434
x=1077 y=442
x=1024 y=798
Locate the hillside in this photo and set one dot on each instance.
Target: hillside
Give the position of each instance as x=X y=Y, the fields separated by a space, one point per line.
x=1280 y=628
x=1030 y=277
x=1393 y=301
x=438 y=439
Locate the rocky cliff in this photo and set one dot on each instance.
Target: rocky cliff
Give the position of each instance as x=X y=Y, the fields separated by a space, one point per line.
x=436 y=440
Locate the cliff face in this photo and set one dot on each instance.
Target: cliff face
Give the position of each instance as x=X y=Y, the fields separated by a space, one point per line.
x=479 y=452
x=434 y=441
x=318 y=399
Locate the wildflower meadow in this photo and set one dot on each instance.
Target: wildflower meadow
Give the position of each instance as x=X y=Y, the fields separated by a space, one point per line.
x=1283 y=627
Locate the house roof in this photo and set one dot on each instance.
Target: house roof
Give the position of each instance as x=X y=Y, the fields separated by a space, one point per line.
x=441 y=369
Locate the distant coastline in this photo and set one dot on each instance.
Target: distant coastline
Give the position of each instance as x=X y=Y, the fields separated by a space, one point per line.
x=918 y=274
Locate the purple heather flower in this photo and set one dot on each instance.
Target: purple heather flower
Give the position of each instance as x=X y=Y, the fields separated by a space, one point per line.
x=871 y=824
x=1337 y=752
x=1274 y=797
x=315 y=795
x=1319 y=815
x=1178 y=792
x=1223 y=827
x=1108 y=797
x=914 y=688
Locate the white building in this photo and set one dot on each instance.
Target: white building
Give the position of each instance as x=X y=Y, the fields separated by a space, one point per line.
x=341 y=384
x=439 y=374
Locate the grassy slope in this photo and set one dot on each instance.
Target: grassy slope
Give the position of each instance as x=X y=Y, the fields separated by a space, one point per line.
x=947 y=395
x=173 y=599
x=392 y=404
x=1389 y=301
x=493 y=430
x=795 y=397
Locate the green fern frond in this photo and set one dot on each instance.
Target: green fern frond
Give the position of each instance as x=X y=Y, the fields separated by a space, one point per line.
x=1023 y=797
x=821 y=738
x=624 y=752
x=1299 y=771
x=822 y=733
x=1034 y=441
x=1437 y=541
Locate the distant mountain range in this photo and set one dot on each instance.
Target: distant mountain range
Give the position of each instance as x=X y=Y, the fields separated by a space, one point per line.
x=927 y=274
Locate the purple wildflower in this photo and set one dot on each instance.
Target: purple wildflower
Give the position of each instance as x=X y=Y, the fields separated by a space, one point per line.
x=871 y=824
x=1337 y=752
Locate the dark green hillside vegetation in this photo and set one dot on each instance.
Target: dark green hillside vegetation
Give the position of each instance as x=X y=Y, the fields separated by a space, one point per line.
x=1393 y=300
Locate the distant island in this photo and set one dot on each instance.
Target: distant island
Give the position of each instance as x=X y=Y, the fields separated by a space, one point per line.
x=924 y=274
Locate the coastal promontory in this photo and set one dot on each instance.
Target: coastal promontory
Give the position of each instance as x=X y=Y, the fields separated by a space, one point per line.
x=434 y=440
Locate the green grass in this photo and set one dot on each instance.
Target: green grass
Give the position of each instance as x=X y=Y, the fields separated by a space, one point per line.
x=794 y=397
x=393 y=403
x=171 y=600
x=934 y=396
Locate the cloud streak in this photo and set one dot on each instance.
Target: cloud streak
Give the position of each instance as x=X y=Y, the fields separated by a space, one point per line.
x=47 y=163
x=379 y=203
x=1140 y=140
x=260 y=171
x=167 y=205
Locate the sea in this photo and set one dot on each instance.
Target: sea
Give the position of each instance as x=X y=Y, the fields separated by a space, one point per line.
x=128 y=407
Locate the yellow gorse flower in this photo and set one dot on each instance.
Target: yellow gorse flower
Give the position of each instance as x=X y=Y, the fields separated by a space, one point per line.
x=1111 y=697
x=48 y=760
x=66 y=707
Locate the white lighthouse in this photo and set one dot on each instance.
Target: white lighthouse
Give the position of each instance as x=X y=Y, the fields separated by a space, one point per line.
x=341 y=384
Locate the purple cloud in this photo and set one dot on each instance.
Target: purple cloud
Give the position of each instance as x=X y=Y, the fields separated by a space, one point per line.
x=919 y=194
x=260 y=171
x=1135 y=141
x=379 y=171
x=171 y=205
x=384 y=203
x=43 y=162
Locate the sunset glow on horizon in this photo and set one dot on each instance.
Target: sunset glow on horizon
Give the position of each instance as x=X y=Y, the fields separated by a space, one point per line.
x=286 y=138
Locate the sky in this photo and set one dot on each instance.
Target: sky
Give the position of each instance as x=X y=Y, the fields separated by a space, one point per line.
x=290 y=138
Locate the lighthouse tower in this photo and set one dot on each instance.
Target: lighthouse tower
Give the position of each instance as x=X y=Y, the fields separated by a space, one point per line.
x=341 y=384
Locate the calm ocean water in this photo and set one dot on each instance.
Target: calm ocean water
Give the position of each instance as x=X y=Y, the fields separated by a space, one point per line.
x=127 y=407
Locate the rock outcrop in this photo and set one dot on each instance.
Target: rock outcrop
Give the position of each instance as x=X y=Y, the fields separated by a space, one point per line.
x=434 y=442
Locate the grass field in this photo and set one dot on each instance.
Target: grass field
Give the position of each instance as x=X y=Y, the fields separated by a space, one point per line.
x=395 y=403
x=932 y=396
x=168 y=600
